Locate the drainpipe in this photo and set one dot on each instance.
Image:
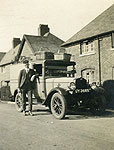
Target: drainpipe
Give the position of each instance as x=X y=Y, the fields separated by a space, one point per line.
x=99 y=55
x=44 y=81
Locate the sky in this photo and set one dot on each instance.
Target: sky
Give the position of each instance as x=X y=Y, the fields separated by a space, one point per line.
x=64 y=17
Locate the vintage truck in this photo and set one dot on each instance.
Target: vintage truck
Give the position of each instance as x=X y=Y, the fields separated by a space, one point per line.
x=59 y=89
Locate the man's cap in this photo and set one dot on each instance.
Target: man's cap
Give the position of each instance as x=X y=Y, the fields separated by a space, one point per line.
x=25 y=62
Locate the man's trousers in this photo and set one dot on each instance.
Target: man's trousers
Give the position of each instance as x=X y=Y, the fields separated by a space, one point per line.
x=24 y=99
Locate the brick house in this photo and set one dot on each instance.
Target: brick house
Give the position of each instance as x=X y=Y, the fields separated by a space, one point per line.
x=93 y=48
x=8 y=59
x=28 y=47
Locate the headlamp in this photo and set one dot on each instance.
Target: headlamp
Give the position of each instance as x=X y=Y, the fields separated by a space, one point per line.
x=72 y=86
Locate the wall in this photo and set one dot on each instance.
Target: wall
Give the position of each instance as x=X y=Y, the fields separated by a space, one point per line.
x=85 y=61
x=5 y=75
x=4 y=86
x=107 y=58
x=26 y=51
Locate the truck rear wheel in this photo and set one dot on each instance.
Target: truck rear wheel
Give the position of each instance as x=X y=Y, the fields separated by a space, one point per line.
x=58 y=106
x=18 y=102
x=100 y=106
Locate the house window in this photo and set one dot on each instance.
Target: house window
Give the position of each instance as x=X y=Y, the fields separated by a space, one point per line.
x=112 y=39
x=87 y=48
x=89 y=75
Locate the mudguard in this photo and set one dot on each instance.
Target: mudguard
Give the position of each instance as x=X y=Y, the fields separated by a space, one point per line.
x=55 y=90
x=15 y=92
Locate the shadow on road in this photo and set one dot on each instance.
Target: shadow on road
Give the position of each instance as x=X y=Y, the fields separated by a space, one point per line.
x=41 y=111
x=76 y=115
x=85 y=114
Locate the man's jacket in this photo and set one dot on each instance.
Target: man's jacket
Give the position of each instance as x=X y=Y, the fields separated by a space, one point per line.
x=23 y=76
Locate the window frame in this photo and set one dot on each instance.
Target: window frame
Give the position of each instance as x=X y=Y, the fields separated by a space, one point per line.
x=87 y=72
x=87 y=48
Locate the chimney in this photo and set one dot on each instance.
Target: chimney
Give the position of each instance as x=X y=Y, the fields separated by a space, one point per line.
x=43 y=29
x=15 y=42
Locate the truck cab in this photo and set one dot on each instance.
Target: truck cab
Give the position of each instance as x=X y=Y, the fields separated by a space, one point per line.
x=53 y=73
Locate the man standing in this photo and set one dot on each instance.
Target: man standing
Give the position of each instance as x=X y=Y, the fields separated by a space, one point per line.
x=26 y=85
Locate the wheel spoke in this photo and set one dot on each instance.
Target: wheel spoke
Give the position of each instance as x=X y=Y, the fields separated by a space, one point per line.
x=59 y=111
x=54 y=106
x=57 y=105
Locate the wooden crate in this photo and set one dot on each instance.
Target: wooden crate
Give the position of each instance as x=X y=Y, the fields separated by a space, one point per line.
x=44 y=55
x=62 y=56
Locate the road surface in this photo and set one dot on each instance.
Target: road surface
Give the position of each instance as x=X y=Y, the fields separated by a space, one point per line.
x=43 y=132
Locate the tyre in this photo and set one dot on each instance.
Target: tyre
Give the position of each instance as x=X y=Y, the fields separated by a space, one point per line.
x=18 y=102
x=58 y=106
x=100 y=105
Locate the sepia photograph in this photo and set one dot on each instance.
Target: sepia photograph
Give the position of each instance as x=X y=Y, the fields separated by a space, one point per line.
x=56 y=74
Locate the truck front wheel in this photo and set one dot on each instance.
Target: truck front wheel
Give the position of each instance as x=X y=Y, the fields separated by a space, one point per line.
x=58 y=106
x=18 y=102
